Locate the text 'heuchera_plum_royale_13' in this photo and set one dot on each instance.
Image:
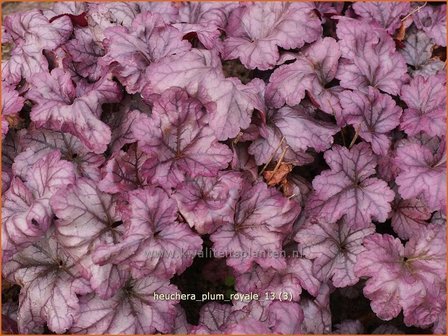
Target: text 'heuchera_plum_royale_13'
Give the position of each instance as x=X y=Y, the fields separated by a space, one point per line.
x=224 y=168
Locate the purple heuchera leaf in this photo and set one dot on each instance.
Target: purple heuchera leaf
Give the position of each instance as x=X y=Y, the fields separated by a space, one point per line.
x=206 y=20
x=213 y=316
x=199 y=72
x=261 y=218
x=348 y=188
x=84 y=55
x=408 y=216
x=417 y=51
x=426 y=100
x=39 y=143
x=373 y=115
x=12 y=103
x=400 y=277
x=130 y=51
x=317 y=315
x=369 y=58
x=31 y=33
x=432 y=20
x=422 y=173
x=87 y=219
x=207 y=202
x=293 y=131
x=61 y=106
x=124 y=171
x=297 y=275
x=101 y=16
x=387 y=15
x=133 y=310
x=311 y=72
x=264 y=316
x=50 y=283
x=256 y=30
x=178 y=141
x=26 y=212
x=154 y=241
x=334 y=248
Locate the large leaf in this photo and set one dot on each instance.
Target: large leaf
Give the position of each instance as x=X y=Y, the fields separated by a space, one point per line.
x=133 y=310
x=26 y=212
x=370 y=58
x=348 y=189
x=426 y=99
x=422 y=173
x=178 y=141
x=88 y=218
x=373 y=114
x=334 y=247
x=61 y=106
x=50 y=283
x=311 y=72
x=256 y=30
x=154 y=241
x=401 y=277
x=261 y=218
x=207 y=202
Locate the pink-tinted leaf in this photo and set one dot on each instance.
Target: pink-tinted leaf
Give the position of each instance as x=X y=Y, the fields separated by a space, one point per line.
x=230 y=104
x=297 y=275
x=154 y=241
x=12 y=103
x=85 y=54
x=261 y=217
x=31 y=32
x=408 y=216
x=311 y=72
x=181 y=325
x=317 y=314
x=87 y=219
x=387 y=15
x=123 y=171
x=417 y=52
x=39 y=143
x=370 y=58
x=60 y=106
x=432 y=20
x=207 y=202
x=256 y=30
x=334 y=247
x=425 y=312
x=206 y=19
x=26 y=211
x=186 y=70
x=214 y=315
x=422 y=173
x=178 y=140
x=400 y=276
x=133 y=310
x=426 y=99
x=242 y=161
x=348 y=189
x=130 y=51
x=247 y=326
x=294 y=130
x=50 y=284
x=264 y=316
x=121 y=120
x=373 y=114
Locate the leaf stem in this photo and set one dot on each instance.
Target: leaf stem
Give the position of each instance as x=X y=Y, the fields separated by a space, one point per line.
x=354 y=137
x=272 y=156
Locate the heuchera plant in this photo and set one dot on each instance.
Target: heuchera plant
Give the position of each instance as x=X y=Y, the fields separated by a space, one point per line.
x=302 y=143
